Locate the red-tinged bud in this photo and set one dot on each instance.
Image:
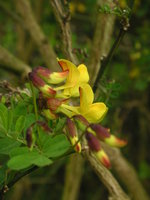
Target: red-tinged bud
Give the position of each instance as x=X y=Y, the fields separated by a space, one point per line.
x=44 y=126
x=71 y=128
x=93 y=142
x=40 y=84
x=101 y=132
x=54 y=103
x=102 y=156
x=58 y=77
x=81 y=122
x=47 y=91
x=115 y=142
x=73 y=135
x=36 y=80
x=49 y=114
x=42 y=71
x=51 y=77
x=29 y=137
x=95 y=146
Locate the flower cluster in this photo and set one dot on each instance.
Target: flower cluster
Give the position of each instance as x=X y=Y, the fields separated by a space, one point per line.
x=58 y=90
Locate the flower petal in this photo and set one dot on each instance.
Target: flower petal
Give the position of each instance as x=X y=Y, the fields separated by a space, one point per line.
x=58 y=77
x=95 y=112
x=86 y=97
x=74 y=74
x=72 y=92
x=84 y=76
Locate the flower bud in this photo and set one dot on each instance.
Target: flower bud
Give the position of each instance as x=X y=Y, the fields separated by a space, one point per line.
x=54 y=103
x=44 y=126
x=51 y=77
x=115 y=142
x=100 y=131
x=104 y=135
x=81 y=122
x=95 y=147
x=73 y=135
x=29 y=137
x=49 y=114
x=40 y=84
x=36 y=80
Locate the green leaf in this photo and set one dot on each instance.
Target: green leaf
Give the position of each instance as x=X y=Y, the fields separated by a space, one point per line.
x=60 y=124
x=30 y=119
x=7 y=144
x=18 y=151
x=2 y=174
x=54 y=147
x=20 y=109
x=27 y=159
x=3 y=131
x=10 y=120
x=3 y=115
x=20 y=123
x=3 y=108
x=42 y=161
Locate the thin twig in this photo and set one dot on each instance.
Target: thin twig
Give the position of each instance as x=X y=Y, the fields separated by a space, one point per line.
x=63 y=18
x=106 y=61
x=101 y=39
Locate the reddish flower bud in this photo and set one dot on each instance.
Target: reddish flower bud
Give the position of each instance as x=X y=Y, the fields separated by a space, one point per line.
x=29 y=137
x=104 y=135
x=93 y=142
x=36 y=80
x=102 y=156
x=42 y=71
x=115 y=142
x=40 y=84
x=54 y=103
x=51 y=77
x=95 y=146
x=71 y=128
x=44 y=126
x=100 y=131
x=73 y=135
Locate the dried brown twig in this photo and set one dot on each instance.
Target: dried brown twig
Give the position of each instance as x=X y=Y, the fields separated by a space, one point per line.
x=63 y=18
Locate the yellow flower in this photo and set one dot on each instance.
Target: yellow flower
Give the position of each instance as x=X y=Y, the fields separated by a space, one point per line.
x=77 y=77
x=93 y=112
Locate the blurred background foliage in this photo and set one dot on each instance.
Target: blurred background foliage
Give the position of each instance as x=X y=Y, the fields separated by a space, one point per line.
x=125 y=88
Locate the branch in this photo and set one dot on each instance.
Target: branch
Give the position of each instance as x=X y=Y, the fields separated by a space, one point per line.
x=126 y=173
x=13 y=63
x=101 y=40
x=15 y=180
x=24 y=9
x=106 y=61
x=63 y=18
x=115 y=191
